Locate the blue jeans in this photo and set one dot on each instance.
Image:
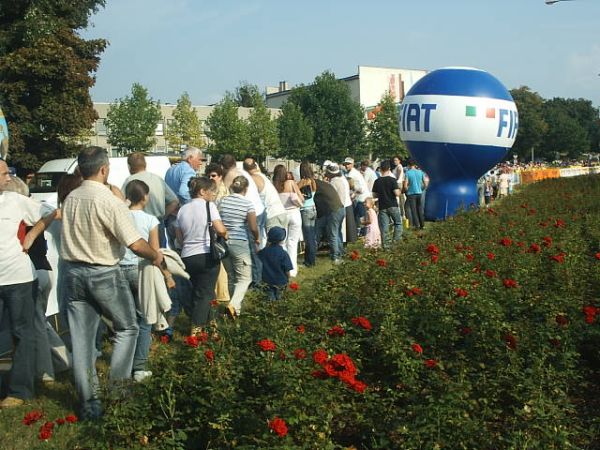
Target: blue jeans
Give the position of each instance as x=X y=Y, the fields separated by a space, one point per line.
x=92 y=291
x=43 y=354
x=144 y=339
x=309 y=220
x=261 y=221
x=274 y=292
x=16 y=300
x=331 y=226
x=386 y=217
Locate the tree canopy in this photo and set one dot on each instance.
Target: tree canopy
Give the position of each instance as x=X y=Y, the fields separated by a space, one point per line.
x=185 y=129
x=263 y=139
x=296 y=136
x=226 y=131
x=46 y=71
x=337 y=120
x=131 y=121
x=384 y=138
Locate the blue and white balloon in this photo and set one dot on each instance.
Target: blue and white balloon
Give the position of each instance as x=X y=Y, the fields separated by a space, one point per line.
x=3 y=136
x=457 y=122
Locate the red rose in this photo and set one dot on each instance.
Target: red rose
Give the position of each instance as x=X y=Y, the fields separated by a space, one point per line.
x=192 y=341
x=336 y=331
x=430 y=363
x=535 y=248
x=165 y=339
x=60 y=421
x=490 y=273
x=294 y=286
x=590 y=313
x=511 y=341
x=209 y=355
x=506 y=242
x=278 y=426
x=71 y=418
x=547 y=241
x=362 y=322
x=391 y=283
x=433 y=249
x=300 y=353
x=202 y=337
x=490 y=256
x=417 y=348
x=469 y=256
x=320 y=356
x=32 y=417
x=597 y=255
x=509 y=283
x=282 y=355
x=267 y=345
x=559 y=223
x=434 y=259
x=354 y=255
x=358 y=386
x=381 y=262
x=414 y=291
x=300 y=328
x=214 y=303
x=45 y=434
x=460 y=292
x=48 y=425
x=560 y=258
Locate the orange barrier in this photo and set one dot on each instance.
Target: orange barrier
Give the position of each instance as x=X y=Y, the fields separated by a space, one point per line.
x=531 y=176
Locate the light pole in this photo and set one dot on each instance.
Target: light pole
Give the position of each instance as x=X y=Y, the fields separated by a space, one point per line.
x=552 y=2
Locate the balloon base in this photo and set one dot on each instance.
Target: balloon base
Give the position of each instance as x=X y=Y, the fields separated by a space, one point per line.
x=445 y=199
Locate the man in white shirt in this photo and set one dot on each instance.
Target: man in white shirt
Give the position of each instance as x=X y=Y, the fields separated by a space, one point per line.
x=17 y=276
x=360 y=189
x=368 y=173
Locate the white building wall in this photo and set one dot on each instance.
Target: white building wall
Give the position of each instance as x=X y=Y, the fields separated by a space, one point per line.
x=376 y=81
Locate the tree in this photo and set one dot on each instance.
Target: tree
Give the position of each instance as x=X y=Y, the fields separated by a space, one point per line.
x=384 y=137
x=584 y=113
x=337 y=120
x=131 y=121
x=296 y=136
x=227 y=132
x=532 y=125
x=262 y=131
x=565 y=134
x=185 y=128
x=46 y=71
x=246 y=95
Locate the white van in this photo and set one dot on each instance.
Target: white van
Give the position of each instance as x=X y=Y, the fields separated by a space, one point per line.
x=47 y=178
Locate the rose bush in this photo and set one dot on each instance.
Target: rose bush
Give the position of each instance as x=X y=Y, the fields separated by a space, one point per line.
x=494 y=343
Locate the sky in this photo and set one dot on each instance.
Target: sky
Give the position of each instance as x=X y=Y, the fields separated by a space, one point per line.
x=206 y=48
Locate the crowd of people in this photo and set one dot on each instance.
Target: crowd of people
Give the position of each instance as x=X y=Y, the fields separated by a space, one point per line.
x=132 y=257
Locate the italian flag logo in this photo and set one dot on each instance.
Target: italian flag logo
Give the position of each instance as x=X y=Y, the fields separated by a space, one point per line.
x=471 y=111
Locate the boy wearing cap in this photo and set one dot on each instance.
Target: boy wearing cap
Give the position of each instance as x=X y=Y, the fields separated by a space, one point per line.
x=276 y=264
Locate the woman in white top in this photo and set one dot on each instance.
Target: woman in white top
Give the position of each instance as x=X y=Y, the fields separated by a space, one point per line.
x=292 y=200
x=192 y=233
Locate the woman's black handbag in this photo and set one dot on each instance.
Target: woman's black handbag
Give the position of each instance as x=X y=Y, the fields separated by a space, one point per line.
x=218 y=244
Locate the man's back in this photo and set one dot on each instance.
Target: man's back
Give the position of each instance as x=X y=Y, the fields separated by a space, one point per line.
x=327 y=199
x=384 y=188
x=160 y=193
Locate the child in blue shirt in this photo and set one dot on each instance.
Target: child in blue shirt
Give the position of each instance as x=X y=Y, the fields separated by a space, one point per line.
x=276 y=264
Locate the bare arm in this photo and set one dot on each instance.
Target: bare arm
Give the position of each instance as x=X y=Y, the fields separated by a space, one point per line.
x=220 y=228
x=253 y=225
x=39 y=228
x=142 y=249
x=397 y=192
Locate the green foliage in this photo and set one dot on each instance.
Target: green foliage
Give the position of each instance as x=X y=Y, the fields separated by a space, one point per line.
x=247 y=95
x=565 y=135
x=46 y=71
x=226 y=131
x=131 y=121
x=262 y=131
x=532 y=126
x=497 y=367
x=185 y=129
x=384 y=138
x=336 y=119
x=296 y=136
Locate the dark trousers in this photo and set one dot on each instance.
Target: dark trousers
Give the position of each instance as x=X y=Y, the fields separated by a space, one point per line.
x=416 y=212
x=16 y=300
x=309 y=220
x=204 y=271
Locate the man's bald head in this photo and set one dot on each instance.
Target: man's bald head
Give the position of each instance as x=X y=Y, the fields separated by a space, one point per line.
x=4 y=174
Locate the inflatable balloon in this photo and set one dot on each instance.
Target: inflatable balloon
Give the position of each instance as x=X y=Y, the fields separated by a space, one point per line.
x=3 y=136
x=457 y=123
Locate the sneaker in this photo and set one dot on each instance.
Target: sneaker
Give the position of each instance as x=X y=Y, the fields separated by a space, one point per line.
x=141 y=375
x=11 y=402
x=337 y=262
x=47 y=379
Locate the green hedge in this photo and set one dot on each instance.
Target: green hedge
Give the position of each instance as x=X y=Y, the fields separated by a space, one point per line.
x=480 y=333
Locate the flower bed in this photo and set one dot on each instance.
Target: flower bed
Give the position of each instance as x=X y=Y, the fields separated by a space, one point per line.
x=481 y=334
